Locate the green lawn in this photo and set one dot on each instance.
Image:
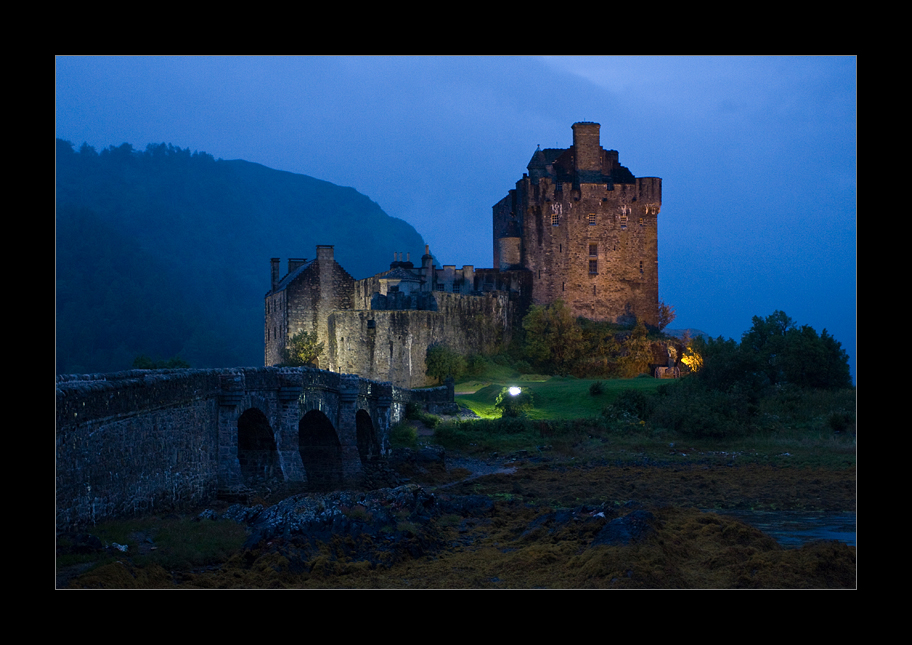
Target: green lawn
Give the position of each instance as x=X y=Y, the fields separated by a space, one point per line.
x=556 y=398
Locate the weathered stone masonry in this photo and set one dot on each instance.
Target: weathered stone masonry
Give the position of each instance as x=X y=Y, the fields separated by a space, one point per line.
x=381 y=327
x=578 y=227
x=135 y=441
x=586 y=229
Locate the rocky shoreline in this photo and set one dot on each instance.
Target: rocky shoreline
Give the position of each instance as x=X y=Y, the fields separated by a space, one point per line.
x=517 y=522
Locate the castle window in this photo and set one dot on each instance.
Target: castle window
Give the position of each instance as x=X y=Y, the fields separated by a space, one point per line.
x=641 y=266
x=623 y=222
x=591 y=219
x=593 y=267
x=593 y=250
x=555 y=219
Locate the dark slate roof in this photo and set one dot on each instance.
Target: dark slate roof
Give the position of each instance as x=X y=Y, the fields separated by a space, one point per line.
x=400 y=274
x=287 y=280
x=548 y=162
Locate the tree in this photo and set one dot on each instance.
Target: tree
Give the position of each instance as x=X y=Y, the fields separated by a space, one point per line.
x=776 y=351
x=725 y=363
x=636 y=352
x=303 y=350
x=666 y=315
x=554 y=338
x=691 y=357
x=441 y=362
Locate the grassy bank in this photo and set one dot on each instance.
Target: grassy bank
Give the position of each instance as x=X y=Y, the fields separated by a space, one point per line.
x=624 y=419
x=555 y=397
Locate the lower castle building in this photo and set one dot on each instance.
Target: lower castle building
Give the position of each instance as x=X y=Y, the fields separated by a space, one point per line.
x=578 y=227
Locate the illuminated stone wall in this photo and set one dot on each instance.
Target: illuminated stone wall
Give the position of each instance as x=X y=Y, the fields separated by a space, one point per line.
x=391 y=345
x=587 y=231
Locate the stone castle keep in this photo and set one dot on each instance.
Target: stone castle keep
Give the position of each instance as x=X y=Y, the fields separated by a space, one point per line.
x=578 y=227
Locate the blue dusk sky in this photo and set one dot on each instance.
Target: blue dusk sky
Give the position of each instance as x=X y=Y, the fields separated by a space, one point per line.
x=757 y=155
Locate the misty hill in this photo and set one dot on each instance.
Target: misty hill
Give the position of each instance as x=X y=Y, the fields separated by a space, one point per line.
x=163 y=252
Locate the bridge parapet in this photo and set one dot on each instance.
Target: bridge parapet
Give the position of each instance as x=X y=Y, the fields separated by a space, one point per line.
x=132 y=441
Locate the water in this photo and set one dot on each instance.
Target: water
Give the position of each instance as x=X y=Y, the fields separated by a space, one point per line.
x=792 y=529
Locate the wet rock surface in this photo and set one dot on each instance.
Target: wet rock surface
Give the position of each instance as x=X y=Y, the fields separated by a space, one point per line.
x=380 y=527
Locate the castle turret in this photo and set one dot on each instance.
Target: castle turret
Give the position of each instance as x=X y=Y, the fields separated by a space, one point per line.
x=427 y=269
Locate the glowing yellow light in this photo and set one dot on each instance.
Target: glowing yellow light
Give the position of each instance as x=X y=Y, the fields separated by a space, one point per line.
x=515 y=390
x=693 y=360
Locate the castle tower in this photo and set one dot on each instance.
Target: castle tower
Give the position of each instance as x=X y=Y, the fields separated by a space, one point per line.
x=587 y=231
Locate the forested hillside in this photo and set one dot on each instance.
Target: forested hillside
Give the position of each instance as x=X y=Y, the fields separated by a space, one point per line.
x=162 y=252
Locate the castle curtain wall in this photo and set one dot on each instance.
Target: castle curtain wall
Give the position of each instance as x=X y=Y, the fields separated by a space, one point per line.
x=392 y=345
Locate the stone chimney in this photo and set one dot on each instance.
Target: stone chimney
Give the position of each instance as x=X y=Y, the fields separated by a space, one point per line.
x=586 y=146
x=294 y=263
x=274 y=262
x=325 y=253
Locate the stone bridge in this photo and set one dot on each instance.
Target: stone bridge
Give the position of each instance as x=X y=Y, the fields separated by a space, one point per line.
x=134 y=441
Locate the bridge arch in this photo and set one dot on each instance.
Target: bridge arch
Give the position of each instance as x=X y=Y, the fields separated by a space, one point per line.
x=321 y=451
x=368 y=441
x=257 y=452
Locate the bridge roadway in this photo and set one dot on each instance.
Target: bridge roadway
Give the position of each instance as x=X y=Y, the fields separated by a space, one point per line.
x=135 y=441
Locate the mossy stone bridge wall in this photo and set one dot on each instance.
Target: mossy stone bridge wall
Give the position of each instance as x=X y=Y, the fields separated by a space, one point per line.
x=132 y=442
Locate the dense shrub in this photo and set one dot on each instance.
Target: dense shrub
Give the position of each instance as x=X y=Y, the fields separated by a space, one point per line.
x=477 y=364
x=523 y=367
x=692 y=410
x=633 y=402
x=514 y=405
x=442 y=362
x=630 y=408
x=403 y=435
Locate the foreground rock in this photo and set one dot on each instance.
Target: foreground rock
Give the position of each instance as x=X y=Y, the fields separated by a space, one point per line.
x=379 y=527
